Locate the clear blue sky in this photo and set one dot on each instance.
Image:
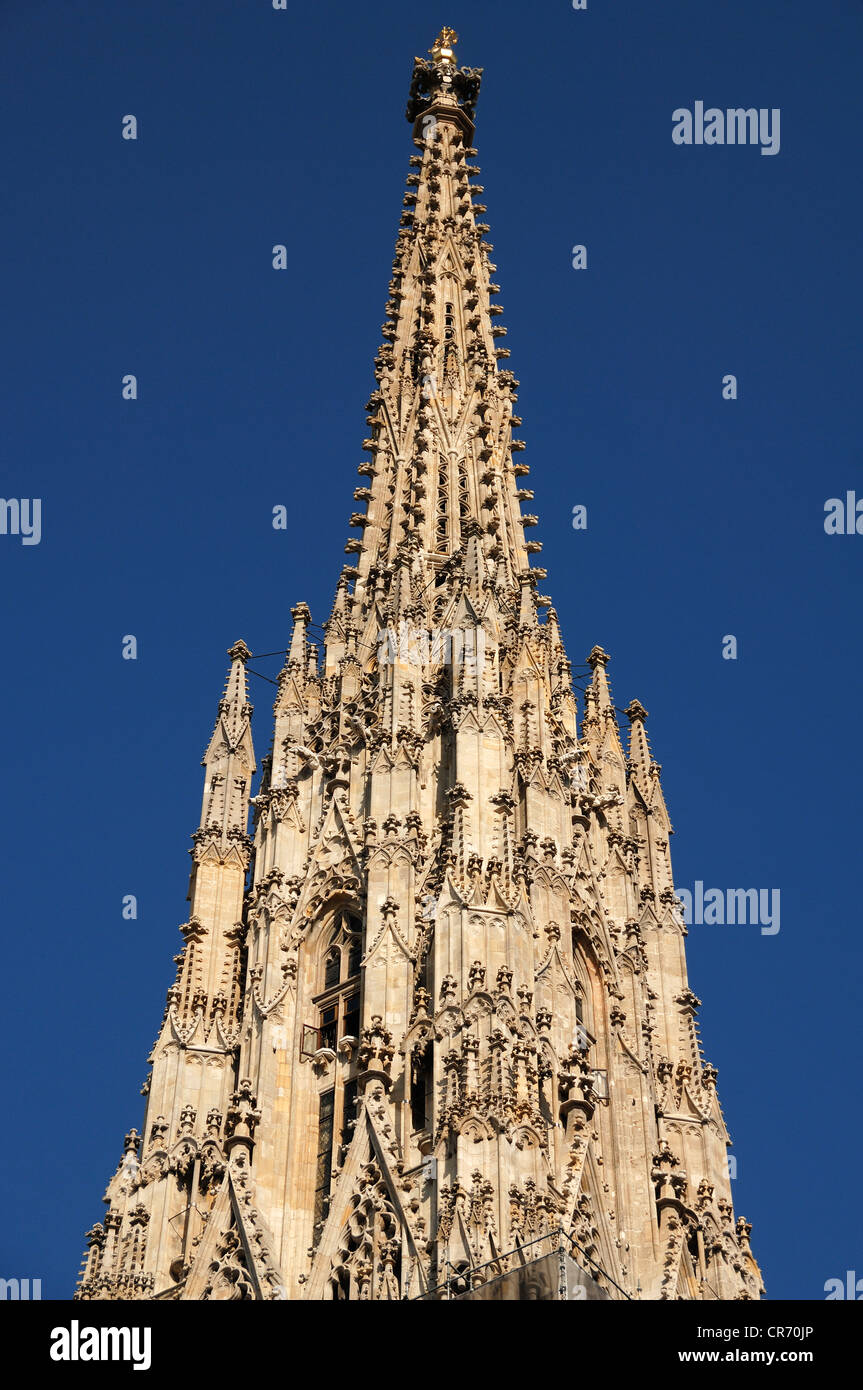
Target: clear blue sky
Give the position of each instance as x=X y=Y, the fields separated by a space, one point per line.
x=705 y=517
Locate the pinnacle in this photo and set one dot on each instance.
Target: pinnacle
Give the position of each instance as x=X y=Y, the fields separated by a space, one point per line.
x=640 y=755
x=297 y=650
x=598 y=660
x=229 y=753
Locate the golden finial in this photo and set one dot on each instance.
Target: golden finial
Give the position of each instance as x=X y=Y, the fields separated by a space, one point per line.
x=442 y=49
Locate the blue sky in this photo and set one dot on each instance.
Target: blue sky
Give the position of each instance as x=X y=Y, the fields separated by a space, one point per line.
x=705 y=516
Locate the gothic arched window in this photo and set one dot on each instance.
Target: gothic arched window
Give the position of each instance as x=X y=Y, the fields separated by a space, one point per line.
x=338 y=1002
x=338 y=1017
x=585 y=1033
x=420 y=1084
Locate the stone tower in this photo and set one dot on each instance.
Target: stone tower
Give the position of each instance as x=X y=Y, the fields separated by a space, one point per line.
x=431 y=1027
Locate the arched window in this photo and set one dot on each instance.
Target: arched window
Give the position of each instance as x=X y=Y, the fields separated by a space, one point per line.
x=420 y=1083
x=338 y=1017
x=584 y=1033
x=593 y=1053
x=338 y=1002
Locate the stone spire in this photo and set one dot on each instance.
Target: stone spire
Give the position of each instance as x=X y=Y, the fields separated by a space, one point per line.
x=449 y=1024
x=441 y=419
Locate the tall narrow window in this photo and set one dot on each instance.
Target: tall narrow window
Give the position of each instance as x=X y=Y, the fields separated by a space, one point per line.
x=544 y=1081
x=324 y=1171
x=332 y=968
x=584 y=1037
x=349 y=1112
x=338 y=1002
x=351 y=1015
x=419 y=1088
x=329 y=1026
x=355 y=951
x=338 y=1017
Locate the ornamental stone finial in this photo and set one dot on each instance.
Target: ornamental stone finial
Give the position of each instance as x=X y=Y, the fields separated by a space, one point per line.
x=442 y=91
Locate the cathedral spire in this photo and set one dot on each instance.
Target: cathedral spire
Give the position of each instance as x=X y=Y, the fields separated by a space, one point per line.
x=441 y=418
x=440 y=1016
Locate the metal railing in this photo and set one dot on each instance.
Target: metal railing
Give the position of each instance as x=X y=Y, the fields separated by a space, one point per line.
x=464 y=1280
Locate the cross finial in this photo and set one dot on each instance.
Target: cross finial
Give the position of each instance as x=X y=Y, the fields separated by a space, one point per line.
x=442 y=49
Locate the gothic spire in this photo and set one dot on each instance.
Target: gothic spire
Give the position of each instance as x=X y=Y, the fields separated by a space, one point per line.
x=449 y=1009
x=441 y=419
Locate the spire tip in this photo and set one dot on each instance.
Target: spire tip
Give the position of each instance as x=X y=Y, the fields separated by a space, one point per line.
x=442 y=50
x=598 y=657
